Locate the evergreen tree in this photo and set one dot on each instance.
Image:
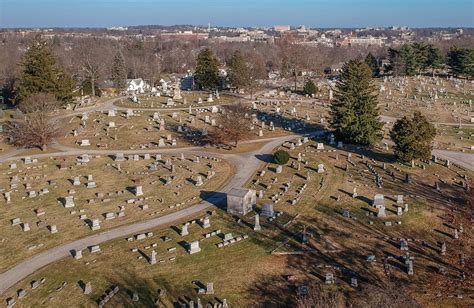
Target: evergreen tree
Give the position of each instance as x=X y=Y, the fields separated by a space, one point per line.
x=410 y=59
x=119 y=71
x=41 y=74
x=434 y=59
x=397 y=64
x=461 y=61
x=310 y=88
x=206 y=75
x=355 y=113
x=413 y=137
x=238 y=71
x=372 y=62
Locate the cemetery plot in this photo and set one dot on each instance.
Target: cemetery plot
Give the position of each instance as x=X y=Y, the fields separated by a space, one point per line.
x=455 y=139
x=185 y=99
x=46 y=202
x=365 y=219
x=439 y=99
x=135 y=129
x=212 y=275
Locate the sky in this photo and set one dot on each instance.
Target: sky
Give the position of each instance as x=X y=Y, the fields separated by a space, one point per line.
x=236 y=13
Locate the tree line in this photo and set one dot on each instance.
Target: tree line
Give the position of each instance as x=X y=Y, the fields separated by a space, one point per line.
x=416 y=58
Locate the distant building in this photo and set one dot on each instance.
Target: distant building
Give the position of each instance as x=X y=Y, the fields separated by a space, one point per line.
x=282 y=28
x=241 y=201
x=136 y=85
x=184 y=36
x=334 y=69
x=362 y=41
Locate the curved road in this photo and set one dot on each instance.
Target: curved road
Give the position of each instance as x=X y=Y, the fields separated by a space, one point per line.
x=245 y=164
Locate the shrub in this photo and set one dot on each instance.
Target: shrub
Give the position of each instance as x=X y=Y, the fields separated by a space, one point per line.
x=281 y=157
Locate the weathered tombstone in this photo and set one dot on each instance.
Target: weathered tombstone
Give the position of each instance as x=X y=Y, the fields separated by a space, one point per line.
x=443 y=248
x=381 y=212
x=210 y=288
x=206 y=223
x=77 y=254
x=267 y=210
x=184 y=230
x=198 y=181
x=153 y=257
x=403 y=245
x=354 y=283
x=88 y=288
x=194 y=247
x=329 y=279
x=257 y=226
x=320 y=168
x=138 y=190
x=378 y=201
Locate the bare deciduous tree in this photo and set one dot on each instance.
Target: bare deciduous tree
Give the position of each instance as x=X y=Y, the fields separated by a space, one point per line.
x=35 y=127
x=233 y=125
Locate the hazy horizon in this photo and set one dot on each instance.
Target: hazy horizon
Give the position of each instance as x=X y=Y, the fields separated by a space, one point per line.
x=244 y=13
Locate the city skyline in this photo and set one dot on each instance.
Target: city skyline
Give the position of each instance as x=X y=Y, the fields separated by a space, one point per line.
x=263 y=13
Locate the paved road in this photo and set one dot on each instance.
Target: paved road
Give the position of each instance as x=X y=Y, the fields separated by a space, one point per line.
x=245 y=165
x=465 y=160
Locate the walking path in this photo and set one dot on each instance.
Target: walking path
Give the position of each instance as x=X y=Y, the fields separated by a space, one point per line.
x=245 y=165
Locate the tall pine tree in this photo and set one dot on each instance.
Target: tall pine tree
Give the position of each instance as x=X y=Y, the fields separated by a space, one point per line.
x=41 y=74
x=461 y=61
x=238 y=71
x=355 y=116
x=372 y=62
x=119 y=71
x=206 y=75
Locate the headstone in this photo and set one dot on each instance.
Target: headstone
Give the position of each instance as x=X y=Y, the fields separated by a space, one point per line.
x=69 y=201
x=77 y=254
x=138 y=190
x=194 y=247
x=206 y=222
x=88 y=288
x=153 y=257
x=378 y=201
x=184 y=230
x=257 y=226
x=267 y=210
x=381 y=213
x=210 y=288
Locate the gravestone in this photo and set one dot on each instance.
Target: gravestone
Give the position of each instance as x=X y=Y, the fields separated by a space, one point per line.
x=184 y=230
x=381 y=212
x=88 y=288
x=153 y=257
x=69 y=201
x=378 y=201
x=194 y=247
x=267 y=210
x=257 y=226
x=206 y=223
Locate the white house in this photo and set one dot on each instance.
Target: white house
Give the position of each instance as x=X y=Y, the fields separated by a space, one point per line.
x=136 y=85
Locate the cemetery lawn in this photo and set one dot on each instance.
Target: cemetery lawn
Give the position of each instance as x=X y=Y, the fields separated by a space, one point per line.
x=192 y=98
x=455 y=139
x=237 y=271
x=113 y=191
